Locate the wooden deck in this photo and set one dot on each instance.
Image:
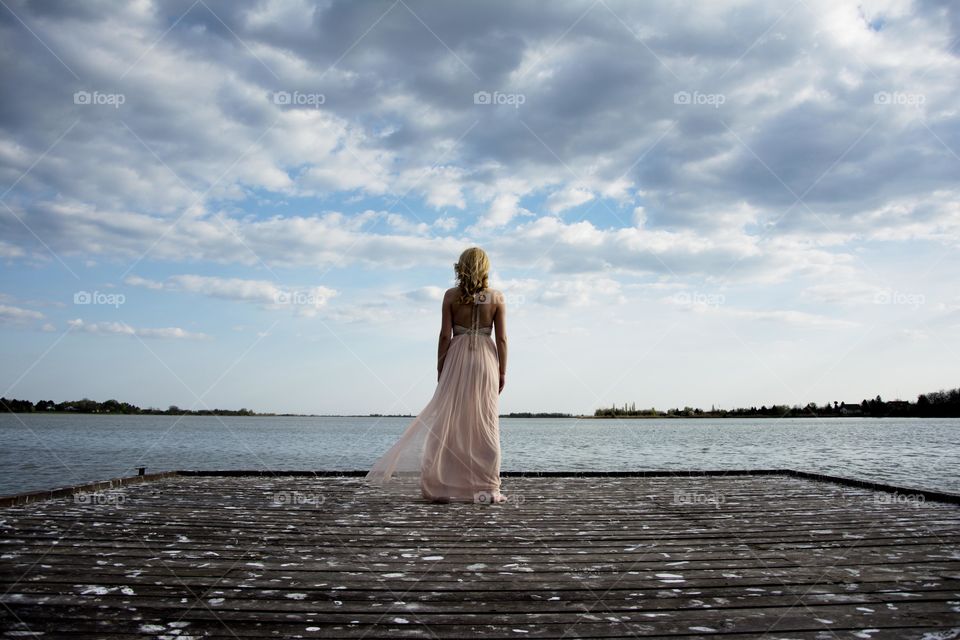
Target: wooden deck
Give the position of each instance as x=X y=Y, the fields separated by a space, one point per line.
x=248 y=556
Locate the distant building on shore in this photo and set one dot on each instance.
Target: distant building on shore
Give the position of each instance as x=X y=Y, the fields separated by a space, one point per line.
x=850 y=409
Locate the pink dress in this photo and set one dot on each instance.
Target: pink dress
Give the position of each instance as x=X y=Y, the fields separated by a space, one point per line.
x=451 y=450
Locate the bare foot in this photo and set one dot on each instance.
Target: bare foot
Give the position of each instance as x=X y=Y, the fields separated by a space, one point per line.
x=499 y=498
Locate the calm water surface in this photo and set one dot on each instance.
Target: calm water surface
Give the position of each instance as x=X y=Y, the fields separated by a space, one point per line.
x=46 y=451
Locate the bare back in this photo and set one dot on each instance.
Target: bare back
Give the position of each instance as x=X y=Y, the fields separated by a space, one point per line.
x=491 y=317
x=462 y=314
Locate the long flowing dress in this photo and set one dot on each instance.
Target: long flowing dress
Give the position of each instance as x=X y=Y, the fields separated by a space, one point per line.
x=451 y=450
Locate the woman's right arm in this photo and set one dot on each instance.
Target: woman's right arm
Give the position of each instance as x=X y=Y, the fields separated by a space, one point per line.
x=446 y=331
x=500 y=326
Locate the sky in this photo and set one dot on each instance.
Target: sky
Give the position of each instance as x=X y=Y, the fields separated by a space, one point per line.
x=259 y=204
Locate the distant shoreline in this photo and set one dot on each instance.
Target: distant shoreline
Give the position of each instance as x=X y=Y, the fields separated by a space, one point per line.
x=937 y=404
x=515 y=417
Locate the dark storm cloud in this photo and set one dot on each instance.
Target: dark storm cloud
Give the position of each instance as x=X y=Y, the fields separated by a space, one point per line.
x=782 y=102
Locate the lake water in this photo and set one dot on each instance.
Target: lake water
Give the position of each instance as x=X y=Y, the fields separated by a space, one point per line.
x=46 y=451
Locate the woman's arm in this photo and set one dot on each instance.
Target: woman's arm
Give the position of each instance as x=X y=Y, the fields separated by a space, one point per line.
x=446 y=331
x=500 y=326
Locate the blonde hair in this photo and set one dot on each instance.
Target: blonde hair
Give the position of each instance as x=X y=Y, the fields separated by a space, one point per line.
x=471 y=270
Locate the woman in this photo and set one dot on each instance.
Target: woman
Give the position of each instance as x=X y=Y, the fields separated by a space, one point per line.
x=452 y=448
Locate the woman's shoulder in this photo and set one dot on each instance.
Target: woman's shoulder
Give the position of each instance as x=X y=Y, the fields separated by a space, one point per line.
x=493 y=295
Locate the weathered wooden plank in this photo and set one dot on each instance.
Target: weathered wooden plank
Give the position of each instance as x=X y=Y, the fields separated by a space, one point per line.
x=627 y=542
x=314 y=600
x=593 y=579
x=203 y=563
x=916 y=633
x=482 y=624
x=434 y=591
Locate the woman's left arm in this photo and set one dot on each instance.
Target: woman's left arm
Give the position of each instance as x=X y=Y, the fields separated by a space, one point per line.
x=446 y=332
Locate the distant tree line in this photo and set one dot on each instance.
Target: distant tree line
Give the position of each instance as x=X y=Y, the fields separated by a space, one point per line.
x=938 y=404
x=87 y=405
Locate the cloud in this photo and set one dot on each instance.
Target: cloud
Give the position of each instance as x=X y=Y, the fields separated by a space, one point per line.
x=915 y=334
x=568 y=198
x=599 y=119
x=323 y=240
x=843 y=293
x=790 y=316
x=137 y=281
x=502 y=210
x=446 y=223
x=727 y=255
x=10 y=251
x=712 y=303
x=123 y=329
x=10 y=315
x=792 y=156
x=426 y=294
x=579 y=291
x=303 y=300
x=334 y=239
